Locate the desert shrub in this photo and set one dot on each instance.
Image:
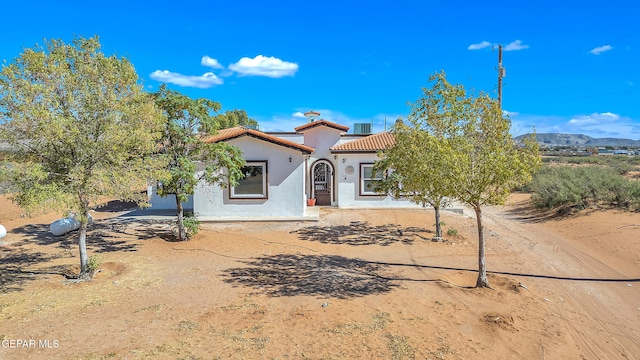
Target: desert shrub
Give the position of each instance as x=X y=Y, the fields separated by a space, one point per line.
x=93 y=263
x=634 y=195
x=548 y=192
x=590 y=160
x=191 y=225
x=4 y=171
x=622 y=165
x=452 y=232
x=580 y=187
x=617 y=161
x=4 y=187
x=579 y=160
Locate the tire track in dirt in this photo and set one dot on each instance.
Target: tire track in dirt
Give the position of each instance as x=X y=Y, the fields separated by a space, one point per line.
x=608 y=322
x=605 y=303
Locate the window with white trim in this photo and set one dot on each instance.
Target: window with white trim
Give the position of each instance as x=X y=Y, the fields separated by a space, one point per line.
x=254 y=183
x=369 y=180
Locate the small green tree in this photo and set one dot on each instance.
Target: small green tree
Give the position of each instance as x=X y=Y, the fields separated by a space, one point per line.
x=487 y=164
x=416 y=166
x=81 y=127
x=233 y=118
x=187 y=124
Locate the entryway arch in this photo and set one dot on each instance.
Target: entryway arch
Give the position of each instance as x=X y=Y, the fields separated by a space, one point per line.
x=322 y=182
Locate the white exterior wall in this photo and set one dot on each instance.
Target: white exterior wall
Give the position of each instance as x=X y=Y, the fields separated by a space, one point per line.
x=349 y=185
x=285 y=183
x=321 y=138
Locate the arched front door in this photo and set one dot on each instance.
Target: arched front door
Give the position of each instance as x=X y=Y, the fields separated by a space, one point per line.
x=322 y=175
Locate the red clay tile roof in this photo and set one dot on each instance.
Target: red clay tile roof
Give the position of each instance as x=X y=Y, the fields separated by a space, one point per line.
x=321 y=122
x=371 y=143
x=311 y=112
x=239 y=131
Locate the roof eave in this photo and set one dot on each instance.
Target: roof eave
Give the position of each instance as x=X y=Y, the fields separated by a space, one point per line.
x=356 y=151
x=301 y=148
x=309 y=126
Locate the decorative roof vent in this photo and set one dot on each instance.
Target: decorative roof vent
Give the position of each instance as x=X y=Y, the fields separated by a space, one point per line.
x=362 y=128
x=312 y=115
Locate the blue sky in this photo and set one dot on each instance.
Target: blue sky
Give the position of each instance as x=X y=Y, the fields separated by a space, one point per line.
x=571 y=66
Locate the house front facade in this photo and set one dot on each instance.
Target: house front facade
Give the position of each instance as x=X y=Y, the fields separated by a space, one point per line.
x=318 y=160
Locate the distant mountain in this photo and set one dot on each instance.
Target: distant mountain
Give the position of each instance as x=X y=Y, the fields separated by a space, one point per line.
x=557 y=139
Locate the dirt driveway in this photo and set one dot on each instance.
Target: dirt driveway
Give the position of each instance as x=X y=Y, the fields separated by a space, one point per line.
x=357 y=284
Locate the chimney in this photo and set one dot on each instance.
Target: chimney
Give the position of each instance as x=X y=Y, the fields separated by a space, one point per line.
x=312 y=115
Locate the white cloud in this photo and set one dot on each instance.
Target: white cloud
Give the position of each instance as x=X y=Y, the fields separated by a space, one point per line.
x=479 y=46
x=512 y=46
x=203 y=81
x=600 y=49
x=582 y=120
x=298 y=114
x=595 y=118
x=210 y=62
x=264 y=66
x=515 y=45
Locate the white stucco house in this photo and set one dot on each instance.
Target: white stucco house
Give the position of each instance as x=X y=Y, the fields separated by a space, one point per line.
x=318 y=160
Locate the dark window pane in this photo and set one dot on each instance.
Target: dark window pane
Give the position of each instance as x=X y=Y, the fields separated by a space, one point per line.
x=253 y=181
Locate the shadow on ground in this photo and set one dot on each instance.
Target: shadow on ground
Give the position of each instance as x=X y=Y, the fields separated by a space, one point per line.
x=342 y=277
x=20 y=264
x=116 y=206
x=361 y=233
x=12 y=263
x=108 y=235
x=315 y=275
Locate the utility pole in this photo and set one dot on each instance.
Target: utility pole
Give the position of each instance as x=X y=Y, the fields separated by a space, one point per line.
x=501 y=74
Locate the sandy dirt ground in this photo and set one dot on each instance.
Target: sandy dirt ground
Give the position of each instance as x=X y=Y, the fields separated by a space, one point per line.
x=366 y=284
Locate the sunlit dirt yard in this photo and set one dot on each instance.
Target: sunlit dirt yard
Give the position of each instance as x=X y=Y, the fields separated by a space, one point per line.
x=366 y=284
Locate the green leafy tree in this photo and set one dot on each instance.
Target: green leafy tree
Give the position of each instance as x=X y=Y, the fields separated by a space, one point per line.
x=80 y=126
x=416 y=166
x=486 y=163
x=233 y=118
x=187 y=124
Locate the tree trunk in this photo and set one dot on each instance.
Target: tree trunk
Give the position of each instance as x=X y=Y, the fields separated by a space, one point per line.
x=85 y=273
x=182 y=233
x=438 y=225
x=482 y=266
